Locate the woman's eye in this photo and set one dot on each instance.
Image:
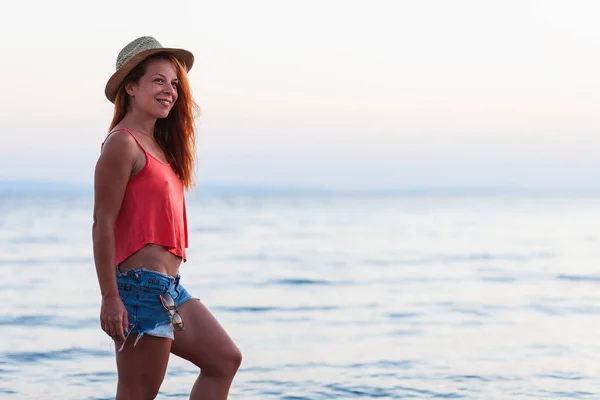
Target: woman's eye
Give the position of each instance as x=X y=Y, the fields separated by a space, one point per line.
x=159 y=80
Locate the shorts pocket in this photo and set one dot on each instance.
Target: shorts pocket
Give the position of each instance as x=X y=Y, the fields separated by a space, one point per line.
x=124 y=291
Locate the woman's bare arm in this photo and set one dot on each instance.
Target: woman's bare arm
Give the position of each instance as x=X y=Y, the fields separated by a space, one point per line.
x=113 y=171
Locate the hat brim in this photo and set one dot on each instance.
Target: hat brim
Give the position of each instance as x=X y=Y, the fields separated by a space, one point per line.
x=116 y=80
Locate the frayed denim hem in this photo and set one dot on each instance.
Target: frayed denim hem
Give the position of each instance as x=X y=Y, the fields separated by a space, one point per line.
x=163 y=329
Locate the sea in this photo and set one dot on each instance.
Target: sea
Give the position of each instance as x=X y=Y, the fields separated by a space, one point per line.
x=329 y=295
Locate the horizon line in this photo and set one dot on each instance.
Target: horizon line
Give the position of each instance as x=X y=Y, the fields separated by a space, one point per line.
x=30 y=186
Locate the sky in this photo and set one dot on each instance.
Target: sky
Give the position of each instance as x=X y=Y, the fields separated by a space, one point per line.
x=332 y=94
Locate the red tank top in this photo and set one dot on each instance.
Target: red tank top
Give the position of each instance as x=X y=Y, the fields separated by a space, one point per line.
x=152 y=211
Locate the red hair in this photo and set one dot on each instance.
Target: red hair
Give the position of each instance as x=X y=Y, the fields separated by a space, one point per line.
x=175 y=134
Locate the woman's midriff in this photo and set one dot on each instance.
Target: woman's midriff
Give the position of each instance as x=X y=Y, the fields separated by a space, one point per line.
x=153 y=257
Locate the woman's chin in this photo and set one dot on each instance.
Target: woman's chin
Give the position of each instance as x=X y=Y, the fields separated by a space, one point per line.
x=161 y=114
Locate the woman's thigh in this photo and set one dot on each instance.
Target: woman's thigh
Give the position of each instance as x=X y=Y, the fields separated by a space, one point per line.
x=141 y=369
x=204 y=341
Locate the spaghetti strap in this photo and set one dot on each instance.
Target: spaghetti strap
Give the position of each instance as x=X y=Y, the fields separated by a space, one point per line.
x=132 y=135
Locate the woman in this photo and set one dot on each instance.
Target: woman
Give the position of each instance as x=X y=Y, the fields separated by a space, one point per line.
x=140 y=229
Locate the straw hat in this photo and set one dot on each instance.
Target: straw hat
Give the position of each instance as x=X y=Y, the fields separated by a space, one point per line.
x=133 y=54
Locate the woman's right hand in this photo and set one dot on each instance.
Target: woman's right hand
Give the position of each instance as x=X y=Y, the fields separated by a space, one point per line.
x=113 y=318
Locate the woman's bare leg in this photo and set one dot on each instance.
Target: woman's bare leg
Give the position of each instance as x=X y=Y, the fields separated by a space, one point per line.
x=141 y=369
x=205 y=343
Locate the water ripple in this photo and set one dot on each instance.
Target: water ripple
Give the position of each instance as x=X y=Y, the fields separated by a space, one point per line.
x=97 y=376
x=566 y=395
x=569 y=376
x=34 y=262
x=579 y=278
x=403 y=315
x=566 y=310
x=73 y=353
x=31 y=240
x=351 y=391
x=401 y=364
x=298 y=282
x=263 y=309
x=456 y=258
x=211 y=229
x=468 y=378
x=48 y=320
x=264 y=257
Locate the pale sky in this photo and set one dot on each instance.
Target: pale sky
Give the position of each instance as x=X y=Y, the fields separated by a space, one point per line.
x=339 y=94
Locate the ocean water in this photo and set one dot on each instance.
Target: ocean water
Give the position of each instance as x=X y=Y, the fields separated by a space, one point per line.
x=329 y=296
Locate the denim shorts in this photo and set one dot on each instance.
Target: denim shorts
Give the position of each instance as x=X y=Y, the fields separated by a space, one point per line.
x=140 y=291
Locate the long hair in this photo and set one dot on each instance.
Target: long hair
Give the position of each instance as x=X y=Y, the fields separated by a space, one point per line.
x=175 y=134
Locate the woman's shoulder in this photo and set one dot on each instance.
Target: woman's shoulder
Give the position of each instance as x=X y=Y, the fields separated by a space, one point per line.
x=120 y=138
x=120 y=144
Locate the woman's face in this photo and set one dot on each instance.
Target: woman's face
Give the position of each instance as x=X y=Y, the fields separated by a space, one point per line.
x=156 y=92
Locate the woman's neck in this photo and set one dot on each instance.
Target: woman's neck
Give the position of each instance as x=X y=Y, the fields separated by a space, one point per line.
x=142 y=124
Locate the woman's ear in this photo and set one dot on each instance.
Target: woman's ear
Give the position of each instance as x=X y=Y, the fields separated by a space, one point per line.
x=130 y=88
